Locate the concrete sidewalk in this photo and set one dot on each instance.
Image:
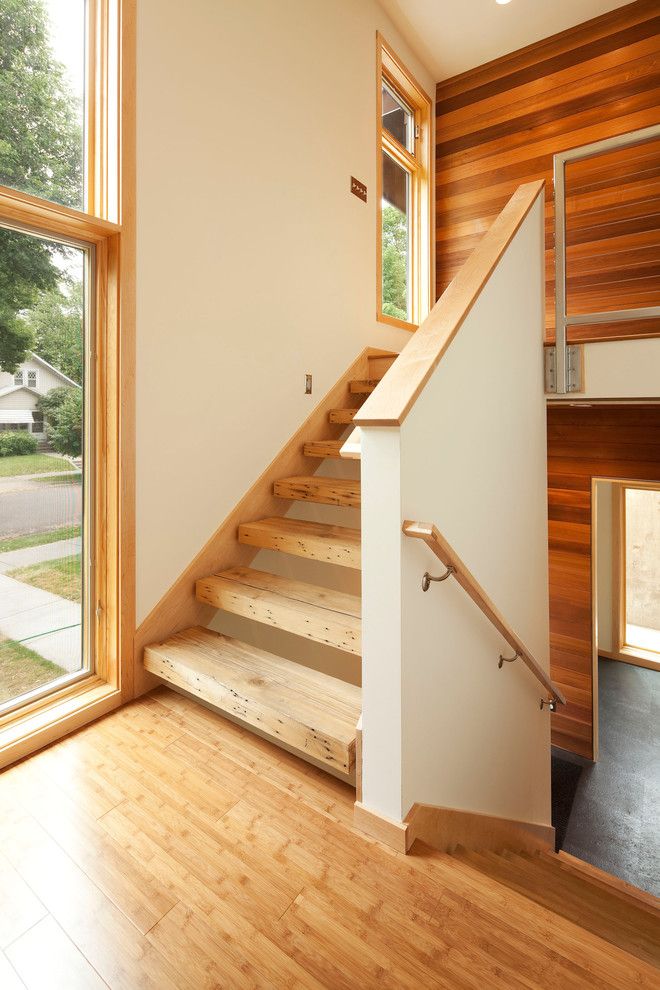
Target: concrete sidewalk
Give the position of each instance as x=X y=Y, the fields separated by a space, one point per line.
x=35 y=555
x=42 y=622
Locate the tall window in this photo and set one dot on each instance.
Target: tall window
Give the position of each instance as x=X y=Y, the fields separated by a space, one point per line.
x=403 y=193
x=60 y=299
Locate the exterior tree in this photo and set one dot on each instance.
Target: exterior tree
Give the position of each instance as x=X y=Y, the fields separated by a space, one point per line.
x=40 y=153
x=395 y=263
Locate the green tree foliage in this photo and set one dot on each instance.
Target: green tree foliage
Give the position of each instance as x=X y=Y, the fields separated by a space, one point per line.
x=40 y=153
x=395 y=263
x=63 y=413
x=55 y=324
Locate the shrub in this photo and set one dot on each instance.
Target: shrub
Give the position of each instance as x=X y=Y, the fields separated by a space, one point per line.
x=14 y=444
x=62 y=409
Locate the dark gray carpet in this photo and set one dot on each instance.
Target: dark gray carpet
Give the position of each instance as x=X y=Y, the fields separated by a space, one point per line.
x=613 y=818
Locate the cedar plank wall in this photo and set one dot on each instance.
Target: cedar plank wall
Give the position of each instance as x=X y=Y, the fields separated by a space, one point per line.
x=500 y=124
x=585 y=442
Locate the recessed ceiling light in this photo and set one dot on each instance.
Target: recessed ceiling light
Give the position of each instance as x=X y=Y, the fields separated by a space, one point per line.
x=502 y=2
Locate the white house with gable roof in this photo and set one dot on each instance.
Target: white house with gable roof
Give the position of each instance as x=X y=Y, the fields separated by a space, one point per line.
x=20 y=393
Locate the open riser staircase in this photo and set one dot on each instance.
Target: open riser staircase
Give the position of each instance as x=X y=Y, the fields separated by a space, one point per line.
x=318 y=715
x=312 y=713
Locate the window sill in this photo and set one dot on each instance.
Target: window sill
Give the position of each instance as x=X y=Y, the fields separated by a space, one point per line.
x=638 y=658
x=26 y=731
x=393 y=322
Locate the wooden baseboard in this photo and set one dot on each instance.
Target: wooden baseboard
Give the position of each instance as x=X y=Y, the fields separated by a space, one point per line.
x=385 y=830
x=446 y=828
x=178 y=608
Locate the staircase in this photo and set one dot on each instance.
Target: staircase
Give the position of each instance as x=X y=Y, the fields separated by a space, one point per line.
x=312 y=713
x=603 y=907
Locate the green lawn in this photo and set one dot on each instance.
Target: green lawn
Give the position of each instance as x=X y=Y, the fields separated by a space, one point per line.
x=11 y=467
x=61 y=577
x=38 y=539
x=22 y=670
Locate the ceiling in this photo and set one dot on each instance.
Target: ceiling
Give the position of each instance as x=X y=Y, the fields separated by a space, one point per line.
x=450 y=36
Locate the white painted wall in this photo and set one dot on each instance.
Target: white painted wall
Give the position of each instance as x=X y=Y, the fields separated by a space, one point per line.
x=442 y=725
x=255 y=264
x=622 y=369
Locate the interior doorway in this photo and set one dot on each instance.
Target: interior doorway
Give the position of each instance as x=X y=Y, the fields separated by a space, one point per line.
x=609 y=810
x=627 y=571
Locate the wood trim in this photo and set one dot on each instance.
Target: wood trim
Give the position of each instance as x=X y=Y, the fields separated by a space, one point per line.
x=125 y=384
x=436 y=542
x=391 y=68
x=643 y=658
x=391 y=402
x=446 y=828
x=21 y=210
x=60 y=716
x=597 y=876
x=385 y=830
x=36 y=725
x=179 y=608
x=358 y=760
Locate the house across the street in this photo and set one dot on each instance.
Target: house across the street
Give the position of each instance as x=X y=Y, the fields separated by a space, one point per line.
x=20 y=393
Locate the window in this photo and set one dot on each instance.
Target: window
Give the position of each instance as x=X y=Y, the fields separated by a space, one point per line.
x=61 y=233
x=639 y=566
x=403 y=199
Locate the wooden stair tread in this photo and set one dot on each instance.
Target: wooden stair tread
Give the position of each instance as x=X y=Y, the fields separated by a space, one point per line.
x=311 y=712
x=610 y=917
x=344 y=416
x=319 y=614
x=364 y=387
x=318 y=541
x=316 y=488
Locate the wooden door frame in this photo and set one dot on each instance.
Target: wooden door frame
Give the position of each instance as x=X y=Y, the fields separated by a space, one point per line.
x=619 y=650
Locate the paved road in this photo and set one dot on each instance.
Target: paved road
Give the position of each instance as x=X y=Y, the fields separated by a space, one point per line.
x=31 y=506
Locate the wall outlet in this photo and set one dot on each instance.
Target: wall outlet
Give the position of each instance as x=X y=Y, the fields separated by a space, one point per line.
x=308 y=384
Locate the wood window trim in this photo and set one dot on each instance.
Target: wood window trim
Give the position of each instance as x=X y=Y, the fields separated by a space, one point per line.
x=390 y=68
x=34 y=725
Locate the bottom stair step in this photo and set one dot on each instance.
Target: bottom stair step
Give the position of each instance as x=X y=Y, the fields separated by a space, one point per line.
x=311 y=712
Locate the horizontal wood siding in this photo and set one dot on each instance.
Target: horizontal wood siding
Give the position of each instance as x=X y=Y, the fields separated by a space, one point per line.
x=499 y=125
x=585 y=442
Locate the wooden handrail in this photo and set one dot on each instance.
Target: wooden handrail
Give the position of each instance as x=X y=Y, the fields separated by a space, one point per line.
x=444 y=552
x=392 y=400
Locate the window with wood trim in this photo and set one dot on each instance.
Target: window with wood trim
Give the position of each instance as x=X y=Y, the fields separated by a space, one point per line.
x=61 y=235
x=403 y=194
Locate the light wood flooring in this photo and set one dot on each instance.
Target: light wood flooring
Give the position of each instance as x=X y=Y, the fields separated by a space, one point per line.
x=166 y=847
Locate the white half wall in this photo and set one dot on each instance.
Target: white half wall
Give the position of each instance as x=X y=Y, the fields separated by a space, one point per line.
x=255 y=264
x=472 y=460
x=622 y=369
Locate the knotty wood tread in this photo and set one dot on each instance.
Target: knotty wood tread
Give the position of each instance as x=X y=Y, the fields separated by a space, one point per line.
x=326 y=448
x=311 y=712
x=365 y=387
x=575 y=898
x=315 y=488
x=344 y=416
x=317 y=541
x=319 y=614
